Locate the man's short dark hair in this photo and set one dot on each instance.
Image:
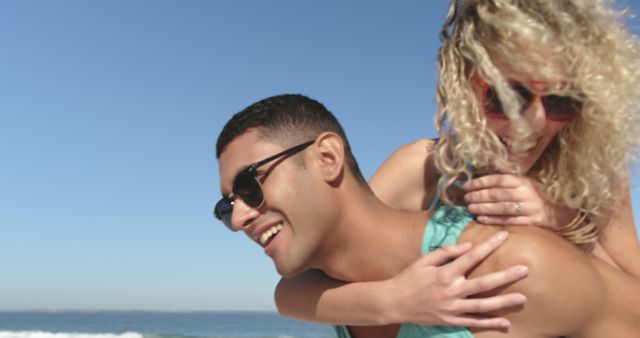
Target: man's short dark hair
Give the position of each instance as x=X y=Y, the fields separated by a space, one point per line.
x=287 y=119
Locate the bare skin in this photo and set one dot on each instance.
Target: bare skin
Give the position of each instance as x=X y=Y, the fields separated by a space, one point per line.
x=373 y=305
x=608 y=305
x=407 y=181
x=593 y=300
x=590 y=300
x=618 y=243
x=314 y=296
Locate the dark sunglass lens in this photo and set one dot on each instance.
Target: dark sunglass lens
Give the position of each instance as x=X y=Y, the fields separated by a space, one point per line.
x=561 y=108
x=222 y=208
x=247 y=188
x=223 y=211
x=226 y=220
x=492 y=105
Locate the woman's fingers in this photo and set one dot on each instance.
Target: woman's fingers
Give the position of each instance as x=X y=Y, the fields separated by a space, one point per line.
x=464 y=263
x=493 y=181
x=494 y=280
x=500 y=208
x=479 y=322
x=504 y=220
x=444 y=254
x=435 y=289
x=495 y=195
x=469 y=307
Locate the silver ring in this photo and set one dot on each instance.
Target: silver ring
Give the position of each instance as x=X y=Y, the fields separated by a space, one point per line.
x=517 y=208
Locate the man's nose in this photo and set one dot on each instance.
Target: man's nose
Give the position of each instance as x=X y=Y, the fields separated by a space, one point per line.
x=242 y=215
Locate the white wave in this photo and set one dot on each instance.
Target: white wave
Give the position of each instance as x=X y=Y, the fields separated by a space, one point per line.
x=43 y=334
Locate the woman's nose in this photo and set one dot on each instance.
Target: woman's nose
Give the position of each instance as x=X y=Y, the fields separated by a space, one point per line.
x=534 y=114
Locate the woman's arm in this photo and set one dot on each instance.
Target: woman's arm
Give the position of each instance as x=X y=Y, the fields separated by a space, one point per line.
x=427 y=292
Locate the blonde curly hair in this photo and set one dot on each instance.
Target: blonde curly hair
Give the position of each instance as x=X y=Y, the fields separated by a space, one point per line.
x=584 y=47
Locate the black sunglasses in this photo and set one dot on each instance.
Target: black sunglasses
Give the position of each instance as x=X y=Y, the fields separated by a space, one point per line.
x=557 y=108
x=247 y=186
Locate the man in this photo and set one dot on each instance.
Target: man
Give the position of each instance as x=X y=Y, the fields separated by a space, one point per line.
x=290 y=183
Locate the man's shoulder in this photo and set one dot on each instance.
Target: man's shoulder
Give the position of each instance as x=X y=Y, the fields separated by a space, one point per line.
x=547 y=255
x=564 y=290
x=528 y=245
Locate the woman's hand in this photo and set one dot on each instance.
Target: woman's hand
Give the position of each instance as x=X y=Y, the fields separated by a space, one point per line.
x=428 y=292
x=505 y=199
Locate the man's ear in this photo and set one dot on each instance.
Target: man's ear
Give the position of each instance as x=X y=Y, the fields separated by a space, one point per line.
x=330 y=148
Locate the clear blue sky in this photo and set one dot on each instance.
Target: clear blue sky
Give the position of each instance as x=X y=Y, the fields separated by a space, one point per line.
x=109 y=111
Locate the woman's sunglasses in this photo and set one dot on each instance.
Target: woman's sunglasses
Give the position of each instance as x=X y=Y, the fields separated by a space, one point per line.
x=556 y=107
x=248 y=188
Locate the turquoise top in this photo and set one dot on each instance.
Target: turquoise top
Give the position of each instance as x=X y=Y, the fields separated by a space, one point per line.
x=443 y=228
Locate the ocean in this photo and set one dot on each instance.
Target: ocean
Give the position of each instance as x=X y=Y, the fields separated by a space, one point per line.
x=141 y=324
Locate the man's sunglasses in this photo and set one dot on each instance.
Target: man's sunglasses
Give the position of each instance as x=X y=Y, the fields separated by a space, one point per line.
x=556 y=107
x=248 y=188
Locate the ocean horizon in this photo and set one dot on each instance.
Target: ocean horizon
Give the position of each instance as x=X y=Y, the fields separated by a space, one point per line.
x=155 y=324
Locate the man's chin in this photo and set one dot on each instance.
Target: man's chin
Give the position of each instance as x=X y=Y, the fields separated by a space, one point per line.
x=289 y=272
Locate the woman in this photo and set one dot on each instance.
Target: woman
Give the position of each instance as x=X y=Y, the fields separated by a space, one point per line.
x=538 y=123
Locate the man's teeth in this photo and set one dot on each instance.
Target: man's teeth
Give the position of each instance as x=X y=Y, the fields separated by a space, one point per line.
x=264 y=238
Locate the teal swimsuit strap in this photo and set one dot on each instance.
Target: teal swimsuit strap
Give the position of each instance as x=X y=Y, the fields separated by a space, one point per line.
x=445 y=226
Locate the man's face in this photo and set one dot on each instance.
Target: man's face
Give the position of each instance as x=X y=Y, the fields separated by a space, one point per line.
x=288 y=224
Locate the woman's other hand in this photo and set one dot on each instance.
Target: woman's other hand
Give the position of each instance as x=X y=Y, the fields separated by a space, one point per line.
x=505 y=199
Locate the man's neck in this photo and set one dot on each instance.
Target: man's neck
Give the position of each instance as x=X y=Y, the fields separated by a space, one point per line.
x=372 y=241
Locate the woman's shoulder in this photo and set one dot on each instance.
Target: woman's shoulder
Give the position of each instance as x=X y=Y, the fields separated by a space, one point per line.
x=405 y=179
x=409 y=158
x=414 y=154
x=422 y=147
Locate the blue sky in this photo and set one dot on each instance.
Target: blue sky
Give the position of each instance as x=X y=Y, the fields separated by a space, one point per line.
x=109 y=111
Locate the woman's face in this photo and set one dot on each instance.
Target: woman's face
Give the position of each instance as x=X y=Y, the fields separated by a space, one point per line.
x=544 y=114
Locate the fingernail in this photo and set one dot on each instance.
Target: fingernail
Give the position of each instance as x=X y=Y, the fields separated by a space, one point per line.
x=520 y=270
x=521 y=299
x=505 y=324
x=502 y=235
x=518 y=300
